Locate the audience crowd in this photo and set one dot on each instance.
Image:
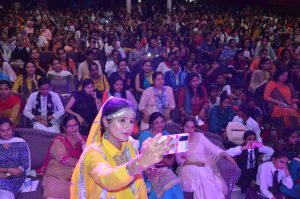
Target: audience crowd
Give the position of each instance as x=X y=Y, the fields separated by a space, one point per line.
x=212 y=69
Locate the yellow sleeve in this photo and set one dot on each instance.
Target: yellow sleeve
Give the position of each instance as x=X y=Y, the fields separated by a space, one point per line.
x=17 y=84
x=103 y=174
x=14 y=116
x=106 y=85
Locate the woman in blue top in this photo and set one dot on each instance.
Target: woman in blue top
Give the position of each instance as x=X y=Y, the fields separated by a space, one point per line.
x=14 y=161
x=220 y=115
x=161 y=180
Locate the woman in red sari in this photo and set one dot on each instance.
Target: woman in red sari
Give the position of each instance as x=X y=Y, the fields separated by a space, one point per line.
x=61 y=159
x=280 y=94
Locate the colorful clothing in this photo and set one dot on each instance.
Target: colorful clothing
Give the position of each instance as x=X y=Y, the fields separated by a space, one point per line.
x=25 y=87
x=219 y=119
x=10 y=108
x=206 y=182
x=17 y=155
x=152 y=102
x=285 y=94
x=295 y=174
x=100 y=84
x=163 y=182
x=175 y=81
x=88 y=182
x=61 y=82
x=56 y=181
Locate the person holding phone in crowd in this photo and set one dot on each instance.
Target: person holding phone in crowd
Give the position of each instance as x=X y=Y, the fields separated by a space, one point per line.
x=111 y=166
x=248 y=158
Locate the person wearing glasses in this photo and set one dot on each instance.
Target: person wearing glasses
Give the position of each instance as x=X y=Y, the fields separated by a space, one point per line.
x=61 y=159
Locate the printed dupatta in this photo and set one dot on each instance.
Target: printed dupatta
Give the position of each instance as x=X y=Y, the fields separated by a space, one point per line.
x=161 y=99
x=37 y=110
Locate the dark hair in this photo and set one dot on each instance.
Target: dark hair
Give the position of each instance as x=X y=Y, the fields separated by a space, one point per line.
x=223 y=97
x=155 y=74
x=142 y=74
x=92 y=64
x=86 y=82
x=188 y=119
x=247 y=134
x=5 y=120
x=120 y=60
x=24 y=72
x=289 y=132
x=42 y=81
x=200 y=90
x=262 y=62
x=59 y=50
x=263 y=50
x=154 y=116
x=265 y=37
x=280 y=72
x=55 y=58
x=112 y=80
x=246 y=109
x=8 y=83
x=284 y=51
x=113 y=105
x=66 y=119
x=280 y=153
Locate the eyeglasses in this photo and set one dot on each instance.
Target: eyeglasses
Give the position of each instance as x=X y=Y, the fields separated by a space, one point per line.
x=72 y=126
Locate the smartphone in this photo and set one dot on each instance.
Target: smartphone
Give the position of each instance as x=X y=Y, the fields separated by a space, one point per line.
x=149 y=54
x=180 y=142
x=256 y=144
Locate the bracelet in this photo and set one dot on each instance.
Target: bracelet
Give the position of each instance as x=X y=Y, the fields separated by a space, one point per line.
x=129 y=170
x=138 y=163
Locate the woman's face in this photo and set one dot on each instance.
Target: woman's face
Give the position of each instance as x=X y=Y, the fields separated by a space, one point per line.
x=6 y=131
x=71 y=128
x=189 y=127
x=89 y=89
x=118 y=86
x=56 y=66
x=283 y=77
x=30 y=68
x=62 y=54
x=267 y=66
x=138 y=45
x=94 y=71
x=195 y=82
x=158 y=124
x=34 y=54
x=293 y=138
x=147 y=67
x=246 y=43
x=264 y=54
x=226 y=103
x=159 y=81
x=122 y=66
x=120 y=127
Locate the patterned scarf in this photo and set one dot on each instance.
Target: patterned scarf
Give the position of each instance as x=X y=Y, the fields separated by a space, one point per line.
x=37 y=110
x=161 y=99
x=25 y=89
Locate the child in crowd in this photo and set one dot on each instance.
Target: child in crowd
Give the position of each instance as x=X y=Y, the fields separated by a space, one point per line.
x=270 y=176
x=248 y=158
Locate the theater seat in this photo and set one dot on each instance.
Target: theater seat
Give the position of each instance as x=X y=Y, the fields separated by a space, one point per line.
x=39 y=143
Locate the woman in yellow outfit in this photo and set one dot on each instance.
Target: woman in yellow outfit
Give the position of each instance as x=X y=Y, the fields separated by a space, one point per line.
x=110 y=166
x=26 y=83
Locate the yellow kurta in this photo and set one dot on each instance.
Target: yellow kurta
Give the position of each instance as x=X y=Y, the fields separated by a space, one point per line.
x=101 y=84
x=96 y=175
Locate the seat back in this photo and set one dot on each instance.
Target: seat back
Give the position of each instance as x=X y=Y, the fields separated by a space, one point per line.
x=38 y=142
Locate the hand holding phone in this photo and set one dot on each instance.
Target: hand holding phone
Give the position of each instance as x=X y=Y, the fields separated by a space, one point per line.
x=256 y=144
x=180 y=142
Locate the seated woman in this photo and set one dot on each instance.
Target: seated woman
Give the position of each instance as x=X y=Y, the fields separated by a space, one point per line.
x=14 y=161
x=270 y=176
x=26 y=83
x=111 y=166
x=143 y=80
x=62 y=82
x=34 y=57
x=6 y=71
x=281 y=96
x=117 y=89
x=85 y=105
x=123 y=71
x=10 y=105
x=197 y=167
x=61 y=159
x=99 y=80
x=157 y=98
x=164 y=183
x=67 y=63
x=193 y=100
x=289 y=143
x=294 y=192
x=220 y=115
